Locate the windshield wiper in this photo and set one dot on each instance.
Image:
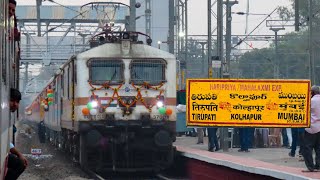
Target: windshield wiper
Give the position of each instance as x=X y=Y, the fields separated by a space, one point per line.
x=114 y=75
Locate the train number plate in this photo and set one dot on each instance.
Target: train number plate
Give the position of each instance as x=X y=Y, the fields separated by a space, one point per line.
x=159 y=117
x=36 y=151
x=100 y=116
x=95 y=117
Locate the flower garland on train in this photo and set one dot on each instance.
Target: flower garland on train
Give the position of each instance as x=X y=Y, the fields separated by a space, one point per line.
x=90 y=110
x=48 y=100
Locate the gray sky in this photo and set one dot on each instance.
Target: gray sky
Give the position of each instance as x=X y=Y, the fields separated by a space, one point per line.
x=198 y=15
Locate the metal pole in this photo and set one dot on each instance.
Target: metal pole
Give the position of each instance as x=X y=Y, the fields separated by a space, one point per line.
x=229 y=4
x=220 y=32
x=311 y=57
x=178 y=28
x=247 y=17
x=276 y=63
x=209 y=41
x=148 y=17
x=47 y=39
x=132 y=18
x=38 y=17
x=182 y=26
x=276 y=58
x=226 y=64
x=74 y=37
x=296 y=15
x=186 y=30
x=171 y=27
x=220 y=55
x=226 y=73
x=179 y=75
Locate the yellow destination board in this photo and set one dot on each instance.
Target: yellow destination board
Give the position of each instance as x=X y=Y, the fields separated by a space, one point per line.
x=248 y=103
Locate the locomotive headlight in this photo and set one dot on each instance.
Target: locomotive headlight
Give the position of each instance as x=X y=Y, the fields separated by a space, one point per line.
x=159 y=104
x=94 y=104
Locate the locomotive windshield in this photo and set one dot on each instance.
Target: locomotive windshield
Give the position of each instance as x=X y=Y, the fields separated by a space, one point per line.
x=151 y=71
x=102 y=71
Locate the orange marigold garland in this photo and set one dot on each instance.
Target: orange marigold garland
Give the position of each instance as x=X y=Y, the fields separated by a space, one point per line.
x=148 y=86
x=104 y=86
x=137 y=97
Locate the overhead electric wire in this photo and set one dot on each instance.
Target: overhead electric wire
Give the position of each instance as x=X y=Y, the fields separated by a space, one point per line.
x=269 y=15
x=74 y=9
x=51 y=29
x=242 y=40
x=80 y=14
x=64 y=6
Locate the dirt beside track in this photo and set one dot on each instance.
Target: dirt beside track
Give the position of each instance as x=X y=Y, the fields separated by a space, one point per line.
x=52 y=165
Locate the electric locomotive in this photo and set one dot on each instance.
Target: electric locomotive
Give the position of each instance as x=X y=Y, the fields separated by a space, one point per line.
x=113 y=106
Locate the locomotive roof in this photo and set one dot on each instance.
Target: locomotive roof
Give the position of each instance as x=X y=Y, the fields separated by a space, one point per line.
x=114 y=50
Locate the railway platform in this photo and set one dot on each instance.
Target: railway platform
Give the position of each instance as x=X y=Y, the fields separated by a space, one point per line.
x=259 y=163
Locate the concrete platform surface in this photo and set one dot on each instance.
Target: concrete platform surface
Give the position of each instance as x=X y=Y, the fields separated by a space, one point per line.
x=267 y=161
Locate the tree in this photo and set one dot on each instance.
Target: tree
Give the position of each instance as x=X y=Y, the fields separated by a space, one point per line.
x=286 y=13
x=255 y=64
x=293 y=55
x=292 y=49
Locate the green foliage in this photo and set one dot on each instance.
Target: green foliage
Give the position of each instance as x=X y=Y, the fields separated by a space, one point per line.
x=292 y=56
x=285 y=13
x=292 y=50
x=255 y=64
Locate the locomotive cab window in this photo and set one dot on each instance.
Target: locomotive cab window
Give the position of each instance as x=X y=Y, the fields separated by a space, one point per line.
x=151 y=71
x=102 y=71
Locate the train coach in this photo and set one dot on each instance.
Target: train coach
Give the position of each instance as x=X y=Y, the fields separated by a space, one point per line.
x=112 y=107
x=9 y=56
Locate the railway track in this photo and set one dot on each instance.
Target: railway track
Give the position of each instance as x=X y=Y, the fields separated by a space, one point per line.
x=159 y=176
x=93 y=175
x=169 y=174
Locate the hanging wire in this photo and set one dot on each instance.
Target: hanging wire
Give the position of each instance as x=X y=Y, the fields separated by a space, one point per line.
x=63 y=6
x=53 y=28
x=243 y=40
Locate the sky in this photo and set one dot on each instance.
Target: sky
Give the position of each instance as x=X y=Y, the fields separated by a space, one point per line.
x=197 y=16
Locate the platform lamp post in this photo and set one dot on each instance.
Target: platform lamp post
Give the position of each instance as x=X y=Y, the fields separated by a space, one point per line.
x=276 y=62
